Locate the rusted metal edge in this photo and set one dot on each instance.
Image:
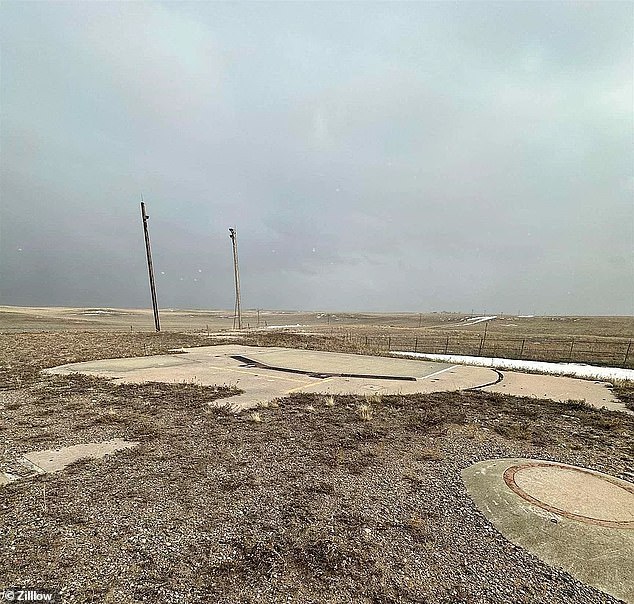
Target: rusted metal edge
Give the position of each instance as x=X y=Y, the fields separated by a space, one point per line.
x=509 y=479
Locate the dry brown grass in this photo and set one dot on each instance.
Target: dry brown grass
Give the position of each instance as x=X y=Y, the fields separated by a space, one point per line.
x=312 y=505
x=624 y=391
x=23 y=355
x=364 y=411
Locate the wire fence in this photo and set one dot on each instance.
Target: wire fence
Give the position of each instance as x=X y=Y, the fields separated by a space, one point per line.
x=617 y=353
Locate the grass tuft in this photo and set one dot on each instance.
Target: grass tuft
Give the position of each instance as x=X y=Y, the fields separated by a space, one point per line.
x=373 y=399
x=364 y=412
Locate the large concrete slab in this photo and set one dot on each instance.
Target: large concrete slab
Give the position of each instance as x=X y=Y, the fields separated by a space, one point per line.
x=570 y=517
x=215 y=365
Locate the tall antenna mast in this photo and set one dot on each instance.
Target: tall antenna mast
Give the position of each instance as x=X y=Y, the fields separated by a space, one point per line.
x=150 y=266
x=237 y=312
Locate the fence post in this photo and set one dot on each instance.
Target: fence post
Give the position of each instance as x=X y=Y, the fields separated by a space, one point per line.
x=627 y=353
x=572 y=345
x=446 y=344
x=522 y=349
x=416 y=345
x=480 y=349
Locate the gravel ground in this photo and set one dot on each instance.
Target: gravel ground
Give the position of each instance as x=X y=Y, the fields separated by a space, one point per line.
x=307 y=500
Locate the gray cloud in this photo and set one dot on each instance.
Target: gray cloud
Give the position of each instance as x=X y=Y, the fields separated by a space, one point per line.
x=373 y=156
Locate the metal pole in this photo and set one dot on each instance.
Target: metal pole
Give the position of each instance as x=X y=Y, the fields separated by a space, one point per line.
x=150 y=266
x=237 y=312
x=627 y=353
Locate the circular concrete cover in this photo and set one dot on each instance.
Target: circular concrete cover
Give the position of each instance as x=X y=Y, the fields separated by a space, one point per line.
x=573 y=518
x=574 y=493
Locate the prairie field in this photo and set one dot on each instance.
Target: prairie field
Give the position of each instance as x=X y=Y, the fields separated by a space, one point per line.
x=306 y=499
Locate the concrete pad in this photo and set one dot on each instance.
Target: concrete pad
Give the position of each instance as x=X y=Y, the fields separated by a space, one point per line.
x=558 y=388
x=54 y=460
x=151 y=362
x=317 y=361
x=574 y=493
x=576 y=519
x=215 y=365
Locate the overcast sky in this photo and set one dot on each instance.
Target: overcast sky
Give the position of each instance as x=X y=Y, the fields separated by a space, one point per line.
x=373 y=156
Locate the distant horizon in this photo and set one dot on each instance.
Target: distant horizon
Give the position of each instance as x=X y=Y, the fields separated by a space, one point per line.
x=314 y=311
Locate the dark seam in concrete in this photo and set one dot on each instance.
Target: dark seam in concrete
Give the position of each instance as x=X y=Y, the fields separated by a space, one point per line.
x=319 y=374
x=499 y=378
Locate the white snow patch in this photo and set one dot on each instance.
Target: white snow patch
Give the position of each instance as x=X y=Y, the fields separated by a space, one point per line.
x=525 y=316
x=474 y=320
x=567 y=369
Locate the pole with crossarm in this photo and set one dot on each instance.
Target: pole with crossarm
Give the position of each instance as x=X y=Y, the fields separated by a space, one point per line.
x=237 y=312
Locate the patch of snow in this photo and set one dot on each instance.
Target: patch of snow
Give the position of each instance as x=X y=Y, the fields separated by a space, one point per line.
x=474 y=320
x=525 y=316
x=567 y=369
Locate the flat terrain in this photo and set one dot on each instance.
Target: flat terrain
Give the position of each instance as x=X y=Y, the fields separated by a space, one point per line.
x=17 y=318
x=308 y=499
x=594 y=340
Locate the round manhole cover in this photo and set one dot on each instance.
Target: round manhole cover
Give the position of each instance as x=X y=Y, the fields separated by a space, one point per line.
x=574 y=493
